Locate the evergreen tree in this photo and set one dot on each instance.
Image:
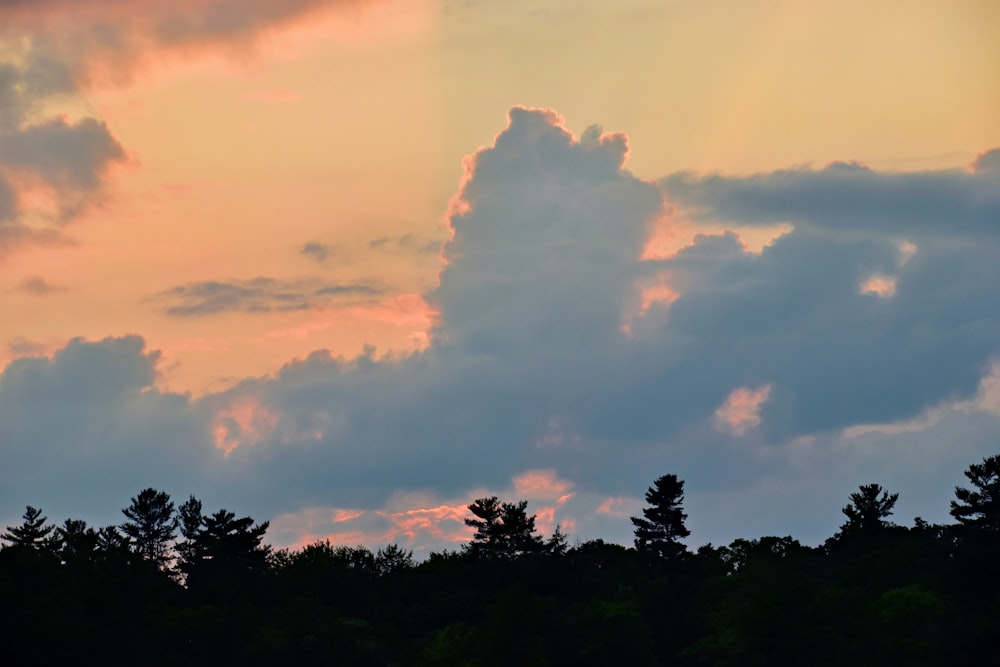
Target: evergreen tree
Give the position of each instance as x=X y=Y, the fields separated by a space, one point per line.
x=392 y=559
x=151 y=526
x=34 y=533
x=77 y=542
x=223 y=548
x=661 y=527
x=190 y=522
x=503 y=530
x=557 y=544
x=980 y=507
x=870 y=506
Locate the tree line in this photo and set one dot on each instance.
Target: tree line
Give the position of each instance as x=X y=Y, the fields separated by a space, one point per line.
x=173 y=583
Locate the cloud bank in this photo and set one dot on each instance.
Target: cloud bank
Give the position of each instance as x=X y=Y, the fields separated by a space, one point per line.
x=564 y=366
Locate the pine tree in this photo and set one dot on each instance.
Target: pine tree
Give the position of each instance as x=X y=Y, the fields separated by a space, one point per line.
x=33 y=533
x=980 y=507
x=151 y=526
x=870 y=506
x=503 y=530
x=661 y=527
x=77 y=542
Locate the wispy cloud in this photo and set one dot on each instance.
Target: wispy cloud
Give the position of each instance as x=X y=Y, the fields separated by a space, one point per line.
x=405 y=242
x=261 y=295
x=318 y=251
x=37 y=286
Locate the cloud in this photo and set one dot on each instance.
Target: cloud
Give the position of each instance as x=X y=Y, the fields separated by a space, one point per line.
x=260 y=295
x=740 y=412
x=37 y=286
x=529 y=385
x=89 y=420
x=316 y=250
x=23 y=347
x=52 y=169
x=77 y=42
x=987 y=162
x=406 y=242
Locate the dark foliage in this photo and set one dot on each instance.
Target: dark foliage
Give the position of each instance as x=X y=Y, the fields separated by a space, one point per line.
x=661 y=527
x=876 y=593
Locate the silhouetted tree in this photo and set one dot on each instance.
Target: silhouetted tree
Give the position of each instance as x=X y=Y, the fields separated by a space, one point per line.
x=661 y=527
x=503 y=530
x=77 y=542
x=151 y=526
x=558 y=543
x=869 y=508
x=189 y=519
x=223 y=538
x=980 y=507
x=392 y=559
x=33 y=533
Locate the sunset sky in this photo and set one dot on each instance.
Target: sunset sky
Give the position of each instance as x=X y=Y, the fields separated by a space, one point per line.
x=346 y=265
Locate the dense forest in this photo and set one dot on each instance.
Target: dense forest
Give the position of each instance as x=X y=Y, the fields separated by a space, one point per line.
x=175 y=585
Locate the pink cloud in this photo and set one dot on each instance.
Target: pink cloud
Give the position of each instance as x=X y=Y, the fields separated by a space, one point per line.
x=880 y=286
x=620 y=506
x=541 y=485
x=740 y=413
x=245 y=421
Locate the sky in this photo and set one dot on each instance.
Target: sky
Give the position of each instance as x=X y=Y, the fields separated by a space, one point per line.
x=347 y=265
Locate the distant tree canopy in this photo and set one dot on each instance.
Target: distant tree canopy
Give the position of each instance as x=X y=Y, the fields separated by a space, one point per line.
x=885 y=594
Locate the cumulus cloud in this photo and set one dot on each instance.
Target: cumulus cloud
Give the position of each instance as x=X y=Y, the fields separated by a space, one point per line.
x=742 y=373
x=260 y=295
x=987 y=162
x=89 y=420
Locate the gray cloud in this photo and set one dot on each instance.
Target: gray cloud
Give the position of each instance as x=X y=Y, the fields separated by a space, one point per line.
x=259 y=295
x=529 y=366
x=37 y=286
x=73 y=38
x=89 y=421
x=406 y=242
x=316 y=250
x=844 y=197
x=71 y=159
x=67 y=156
x=987 y=162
